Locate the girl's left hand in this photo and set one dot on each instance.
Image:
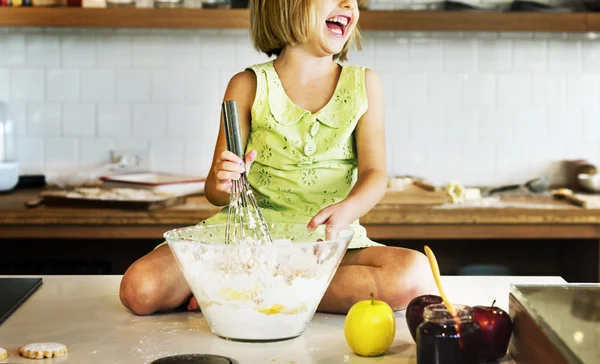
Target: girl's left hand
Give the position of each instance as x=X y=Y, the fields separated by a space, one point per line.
x=339 y=214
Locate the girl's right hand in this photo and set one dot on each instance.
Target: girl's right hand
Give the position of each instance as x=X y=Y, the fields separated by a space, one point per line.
x=229 y=167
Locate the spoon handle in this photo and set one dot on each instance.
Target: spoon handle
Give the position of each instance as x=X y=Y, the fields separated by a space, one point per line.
x=435 y=269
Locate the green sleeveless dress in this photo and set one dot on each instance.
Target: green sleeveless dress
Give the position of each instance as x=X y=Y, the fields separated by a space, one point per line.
x=306 y=161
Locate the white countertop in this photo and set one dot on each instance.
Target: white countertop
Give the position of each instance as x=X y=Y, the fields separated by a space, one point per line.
x=84 y=313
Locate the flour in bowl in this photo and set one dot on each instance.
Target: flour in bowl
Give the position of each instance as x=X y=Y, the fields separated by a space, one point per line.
x=258 y=292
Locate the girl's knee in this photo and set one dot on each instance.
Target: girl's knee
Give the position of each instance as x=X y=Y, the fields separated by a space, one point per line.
x=140 y=288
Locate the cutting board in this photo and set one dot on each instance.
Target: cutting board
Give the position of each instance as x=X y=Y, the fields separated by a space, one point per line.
x=413 y=195
x=119 y=198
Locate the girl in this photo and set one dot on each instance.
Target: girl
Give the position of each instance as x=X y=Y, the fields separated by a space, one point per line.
x=314 y=133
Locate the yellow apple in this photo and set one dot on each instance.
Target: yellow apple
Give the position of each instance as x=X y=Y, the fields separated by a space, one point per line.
x=370 y=327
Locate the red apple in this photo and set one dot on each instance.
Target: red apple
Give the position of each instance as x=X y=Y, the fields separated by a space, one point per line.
x=414 y=311
x=496 y=329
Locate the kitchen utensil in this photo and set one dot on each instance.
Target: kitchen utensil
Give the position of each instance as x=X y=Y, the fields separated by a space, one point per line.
x=116 y=198
x=424 y=185
x=9 y=166
x=590 y=182
x=435 y=270
x=535 y=185
x=245 y=223
x=259 y=292
x=568 y=195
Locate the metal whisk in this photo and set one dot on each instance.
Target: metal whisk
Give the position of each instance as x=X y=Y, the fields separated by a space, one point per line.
x=245 y=222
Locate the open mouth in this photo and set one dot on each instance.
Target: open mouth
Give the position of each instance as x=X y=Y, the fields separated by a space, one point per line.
x=337 y=24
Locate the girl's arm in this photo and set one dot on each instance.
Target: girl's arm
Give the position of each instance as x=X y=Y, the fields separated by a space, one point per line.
x=371 y=184
x=226 y=166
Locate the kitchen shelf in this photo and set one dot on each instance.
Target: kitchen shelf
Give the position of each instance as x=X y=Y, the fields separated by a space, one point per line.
x=238 y=18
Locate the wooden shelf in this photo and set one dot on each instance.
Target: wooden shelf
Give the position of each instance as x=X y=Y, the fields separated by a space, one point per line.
x=238 y=18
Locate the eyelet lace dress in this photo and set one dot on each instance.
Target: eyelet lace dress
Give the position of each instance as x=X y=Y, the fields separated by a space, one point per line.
x=306 y=161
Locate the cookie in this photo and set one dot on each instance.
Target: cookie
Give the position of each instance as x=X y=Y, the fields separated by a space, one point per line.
x=42 y=350
x=3 y=353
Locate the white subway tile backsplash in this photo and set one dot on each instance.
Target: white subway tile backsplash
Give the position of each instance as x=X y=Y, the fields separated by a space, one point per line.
x=425 y=55
x=495 y=55
x=217 y=52
x=149 y=120
x=183 y=52
x=185 y=121
x=167 y=86
x=149 y=51
x=78 y=119
x=98 y=85
x=590 y=55
x=167 y=155
x=530 y=55
x=479 y=90
x=409 y=89
x=486 y=107
x=201 y=86
x=496 y=124
x=548 y=89
x=27 y=84
x=246 y=55
x=391 y=53
x=62 y=85
x=61 y=153
x=514 y=89
x=411 y=158
x=94 y=152
x=78 y=51
x=426 y=123
x=591 y=124
x=114 y=120
x=12 y=49
x=42 y=50
x=583 y=89
x=133 y=85
x=564 y=56
x=197 y=156
x=477 y=162
x=31 y=155
x=467 y=130
x=565 y=124
x=443 y=162
x=531 y=123
x=43 y=119
x=445 y=89
x=113 y=51
x=460 y=55
x=18 y=111
x=4 y=84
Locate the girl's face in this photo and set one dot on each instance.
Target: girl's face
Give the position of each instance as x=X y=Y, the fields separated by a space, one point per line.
x=338 y=18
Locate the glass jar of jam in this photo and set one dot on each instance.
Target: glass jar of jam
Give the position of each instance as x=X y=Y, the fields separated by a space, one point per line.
x=443 y=339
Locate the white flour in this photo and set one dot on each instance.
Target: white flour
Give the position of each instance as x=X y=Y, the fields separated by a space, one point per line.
x=258 y=292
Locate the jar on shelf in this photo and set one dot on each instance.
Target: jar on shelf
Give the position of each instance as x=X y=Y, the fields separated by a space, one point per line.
x=443 y=339
x=9 y=166
x=168 y=3
x=216 y=4
x=120 y=3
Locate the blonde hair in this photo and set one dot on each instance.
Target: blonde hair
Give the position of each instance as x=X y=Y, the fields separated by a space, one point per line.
x=276 y=24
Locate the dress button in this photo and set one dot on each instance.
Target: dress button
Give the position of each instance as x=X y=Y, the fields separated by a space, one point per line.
x=314 y=129
x=310 y=148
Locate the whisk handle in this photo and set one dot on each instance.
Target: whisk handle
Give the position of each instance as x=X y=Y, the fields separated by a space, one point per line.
x=232 y=127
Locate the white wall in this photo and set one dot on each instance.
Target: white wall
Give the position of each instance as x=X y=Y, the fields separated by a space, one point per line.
x=484 y=108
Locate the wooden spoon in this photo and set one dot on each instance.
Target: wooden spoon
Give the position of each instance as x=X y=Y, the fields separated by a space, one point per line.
x=435 y=269
x=567 y=194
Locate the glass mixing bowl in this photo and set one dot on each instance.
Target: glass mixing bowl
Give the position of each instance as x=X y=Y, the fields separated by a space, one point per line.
x=259 y=292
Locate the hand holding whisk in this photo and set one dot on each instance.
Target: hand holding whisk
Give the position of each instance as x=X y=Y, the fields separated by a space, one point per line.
x=245 y=222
